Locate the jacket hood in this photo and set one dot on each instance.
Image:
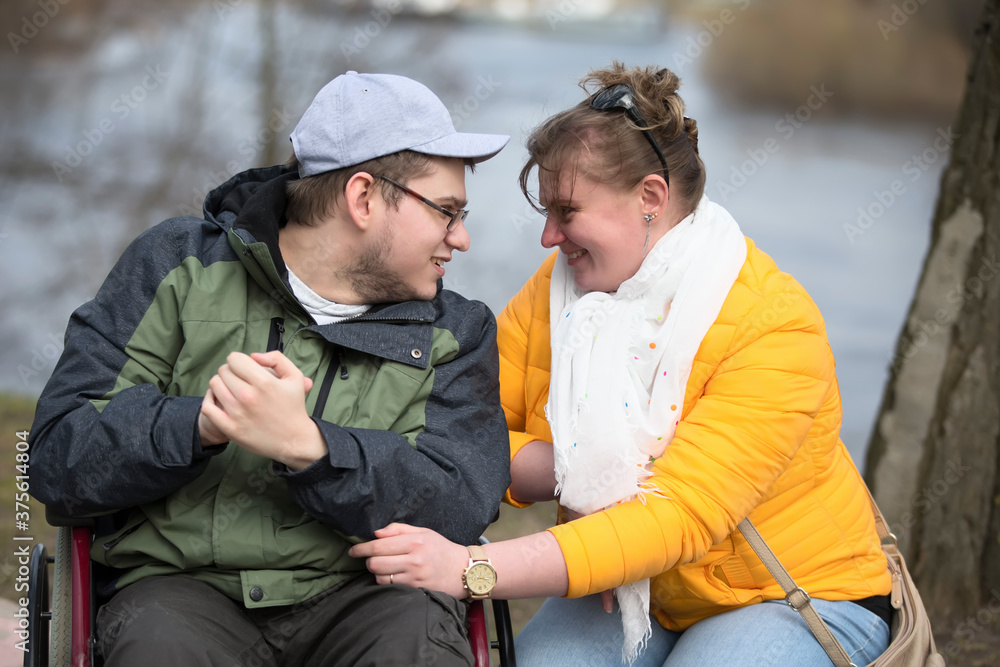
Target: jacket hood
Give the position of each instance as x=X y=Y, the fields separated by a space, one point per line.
x=226 y=202
x=251 y=206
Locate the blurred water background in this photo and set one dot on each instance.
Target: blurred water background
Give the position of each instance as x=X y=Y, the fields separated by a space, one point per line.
x=824 y=127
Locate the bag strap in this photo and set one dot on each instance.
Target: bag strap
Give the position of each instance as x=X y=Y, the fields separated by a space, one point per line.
x=797 y=598
x=881 y=525
x=890 y=546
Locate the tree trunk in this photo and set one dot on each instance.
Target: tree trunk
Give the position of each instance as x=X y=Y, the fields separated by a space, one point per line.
x=934 y=459
x=277 y=146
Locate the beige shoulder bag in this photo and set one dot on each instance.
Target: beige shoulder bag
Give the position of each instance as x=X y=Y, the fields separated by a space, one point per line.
x=911 y=643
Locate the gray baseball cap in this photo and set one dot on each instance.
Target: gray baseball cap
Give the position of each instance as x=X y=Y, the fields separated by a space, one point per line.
x=359 y=117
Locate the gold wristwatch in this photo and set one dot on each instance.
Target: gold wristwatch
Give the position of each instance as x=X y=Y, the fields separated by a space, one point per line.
x=479 y=577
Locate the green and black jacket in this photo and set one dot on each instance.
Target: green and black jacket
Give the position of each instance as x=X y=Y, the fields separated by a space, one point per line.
x=406 y=397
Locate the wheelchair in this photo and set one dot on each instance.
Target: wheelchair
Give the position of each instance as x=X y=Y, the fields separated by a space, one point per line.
x=62 y=632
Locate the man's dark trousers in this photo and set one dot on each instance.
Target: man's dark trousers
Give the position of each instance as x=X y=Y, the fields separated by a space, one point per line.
x=173 y=621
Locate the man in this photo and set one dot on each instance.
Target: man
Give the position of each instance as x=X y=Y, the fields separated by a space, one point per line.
x=252 y=392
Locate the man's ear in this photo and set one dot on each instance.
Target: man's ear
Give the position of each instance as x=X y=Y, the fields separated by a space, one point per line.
x=362 y=199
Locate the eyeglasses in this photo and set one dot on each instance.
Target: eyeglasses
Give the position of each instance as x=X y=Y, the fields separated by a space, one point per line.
x=455 y=217
x=619 y=96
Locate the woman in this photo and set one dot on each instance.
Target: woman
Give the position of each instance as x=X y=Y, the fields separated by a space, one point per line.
x=663 y=380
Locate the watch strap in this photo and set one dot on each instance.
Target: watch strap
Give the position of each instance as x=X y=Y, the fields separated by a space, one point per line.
x=477 y=553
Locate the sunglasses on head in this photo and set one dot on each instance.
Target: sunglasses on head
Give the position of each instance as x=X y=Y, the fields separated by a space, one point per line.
x=619 y=96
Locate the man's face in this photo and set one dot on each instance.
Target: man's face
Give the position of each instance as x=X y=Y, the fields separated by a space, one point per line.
x=406 y=254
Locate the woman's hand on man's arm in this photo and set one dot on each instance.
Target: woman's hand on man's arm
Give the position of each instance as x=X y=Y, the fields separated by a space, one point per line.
x=531 y=566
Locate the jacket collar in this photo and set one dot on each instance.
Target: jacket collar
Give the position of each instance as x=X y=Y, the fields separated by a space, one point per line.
x=378 y=332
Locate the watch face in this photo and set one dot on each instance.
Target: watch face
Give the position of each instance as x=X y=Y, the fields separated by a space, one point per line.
x=480 y=578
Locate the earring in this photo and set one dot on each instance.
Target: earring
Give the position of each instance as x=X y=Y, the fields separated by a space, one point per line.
x=649 y=220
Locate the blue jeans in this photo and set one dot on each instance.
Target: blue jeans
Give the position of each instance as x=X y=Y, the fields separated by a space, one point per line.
x=579 y=632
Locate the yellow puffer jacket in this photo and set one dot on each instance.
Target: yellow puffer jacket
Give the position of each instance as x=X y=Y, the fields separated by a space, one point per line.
x=758 y=436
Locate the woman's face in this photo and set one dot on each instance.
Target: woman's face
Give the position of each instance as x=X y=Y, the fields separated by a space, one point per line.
x=599 y=227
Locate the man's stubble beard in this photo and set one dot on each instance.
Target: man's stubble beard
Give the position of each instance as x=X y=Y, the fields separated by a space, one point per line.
x=371 y=277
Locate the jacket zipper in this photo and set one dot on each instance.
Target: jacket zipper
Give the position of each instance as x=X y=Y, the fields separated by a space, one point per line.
x=324 y=390
x=275 y=342
x=274 y=339
x=363 y=318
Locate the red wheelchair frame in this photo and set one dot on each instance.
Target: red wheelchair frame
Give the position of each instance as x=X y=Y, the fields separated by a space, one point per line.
x=73 y=643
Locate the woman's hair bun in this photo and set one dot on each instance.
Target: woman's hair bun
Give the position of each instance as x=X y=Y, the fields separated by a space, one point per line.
x=655 y=93
x=667 y=82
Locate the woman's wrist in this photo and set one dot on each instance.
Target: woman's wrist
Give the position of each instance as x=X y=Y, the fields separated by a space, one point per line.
x=527 y=567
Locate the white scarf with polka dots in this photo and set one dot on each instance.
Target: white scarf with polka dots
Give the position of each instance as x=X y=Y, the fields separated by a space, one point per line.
x=620 y=365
